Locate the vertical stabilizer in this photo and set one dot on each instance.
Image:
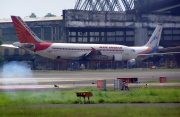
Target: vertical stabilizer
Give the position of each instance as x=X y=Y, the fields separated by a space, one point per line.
x=24 y=33
x=155 y=37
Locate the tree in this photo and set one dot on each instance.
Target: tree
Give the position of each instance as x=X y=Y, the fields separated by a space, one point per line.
x=49 y=15
x=32 y=15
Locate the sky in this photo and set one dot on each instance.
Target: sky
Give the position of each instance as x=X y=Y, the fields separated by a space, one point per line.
x=24 y=8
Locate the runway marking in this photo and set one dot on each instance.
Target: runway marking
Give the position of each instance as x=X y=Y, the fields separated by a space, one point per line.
x=21 y=87
x=15 y=87
x=3 y=87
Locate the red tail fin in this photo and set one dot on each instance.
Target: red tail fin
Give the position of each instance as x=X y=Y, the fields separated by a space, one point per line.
x=24 y=33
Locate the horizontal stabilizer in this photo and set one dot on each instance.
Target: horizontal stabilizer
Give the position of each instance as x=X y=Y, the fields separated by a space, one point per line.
x=167 y=53
x=8 y=45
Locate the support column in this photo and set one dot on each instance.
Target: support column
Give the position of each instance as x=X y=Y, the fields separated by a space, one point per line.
x=55 y=33
x=0 y=33
x=42 y=33
x=141 y=36
x=58 y=37
x=52 y=33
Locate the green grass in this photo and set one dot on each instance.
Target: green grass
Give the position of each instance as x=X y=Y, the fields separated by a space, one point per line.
x=124 y=111
x=56 y=96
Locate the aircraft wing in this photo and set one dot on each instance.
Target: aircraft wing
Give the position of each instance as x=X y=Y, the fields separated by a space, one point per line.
x=141 y=57
x=169 y=48
x=8 y=45
x=167 y=53
x=89 y=55
x=94 y=53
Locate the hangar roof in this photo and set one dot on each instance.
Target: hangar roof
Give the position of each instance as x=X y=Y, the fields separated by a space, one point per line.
x=34 y=19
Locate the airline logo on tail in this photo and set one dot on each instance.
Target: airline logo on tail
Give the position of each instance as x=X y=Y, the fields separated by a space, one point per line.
x=156 y=37
x=153 y=42
x=25 y=34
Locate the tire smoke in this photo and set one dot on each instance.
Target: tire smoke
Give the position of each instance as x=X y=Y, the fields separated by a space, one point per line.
x=16 y=69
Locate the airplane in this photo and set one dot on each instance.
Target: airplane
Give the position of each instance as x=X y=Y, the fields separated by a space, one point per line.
x=71 y=51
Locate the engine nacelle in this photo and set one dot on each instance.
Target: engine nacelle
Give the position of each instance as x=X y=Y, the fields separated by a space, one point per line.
x=160 y=47
x=118 y=57
x=132 y=61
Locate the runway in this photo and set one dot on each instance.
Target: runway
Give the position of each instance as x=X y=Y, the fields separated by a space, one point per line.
x=76 y=79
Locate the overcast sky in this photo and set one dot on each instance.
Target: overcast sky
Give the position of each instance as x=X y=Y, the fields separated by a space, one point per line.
x=24 y=8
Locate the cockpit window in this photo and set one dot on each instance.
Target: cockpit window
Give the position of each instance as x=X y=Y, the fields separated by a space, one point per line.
x=133 y=50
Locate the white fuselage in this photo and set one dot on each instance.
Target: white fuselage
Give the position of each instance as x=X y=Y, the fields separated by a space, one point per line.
x=76 y=51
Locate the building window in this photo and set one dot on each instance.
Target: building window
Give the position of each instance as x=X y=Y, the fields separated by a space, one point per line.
x=167 y=37
x=167 y=31
x=150 y=32
x=13 y=30
x=85 y=39
x=176 y=31
x=110 y=33
x=72 y=33
x=80 y=34
x=7 y=37
x=102 y=33
x=16 y=51
x=94 y=39
x=129 y=38
x=79 y=39
x=176 y=37
x=94 y=33
x=119 y=33
x=119 y=38
x=47 y=36
x=110 y=38
x=103 y=39
x=14 y=37
x=72 y=39
x=6 y=30
x=91 y=33
x=129 y=32
x=47 y=29
x=6 y=51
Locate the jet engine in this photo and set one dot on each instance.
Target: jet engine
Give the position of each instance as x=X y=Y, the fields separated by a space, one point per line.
x=160 y=47
x=132 y=61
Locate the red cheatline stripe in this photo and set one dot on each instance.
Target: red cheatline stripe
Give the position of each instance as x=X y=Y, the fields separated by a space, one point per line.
x=146 y=51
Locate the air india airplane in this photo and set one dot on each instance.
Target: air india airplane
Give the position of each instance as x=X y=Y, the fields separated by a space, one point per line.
x=30 y=42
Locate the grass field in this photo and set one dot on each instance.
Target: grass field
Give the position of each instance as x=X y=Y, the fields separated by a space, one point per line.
x=10 y=100
x=56 y=96
x=92 y=112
